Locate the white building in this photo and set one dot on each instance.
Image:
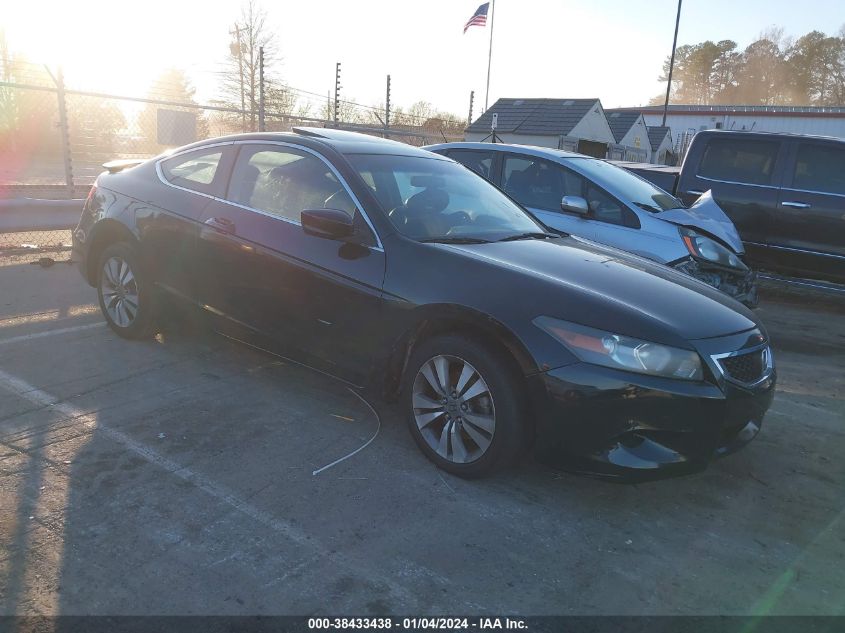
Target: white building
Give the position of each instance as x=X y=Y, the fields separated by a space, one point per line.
x=686 y=120
x=630 y=131
x=577 y=125
x=662 y=150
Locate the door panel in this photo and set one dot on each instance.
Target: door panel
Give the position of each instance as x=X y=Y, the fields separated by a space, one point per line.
x=169 y=231
x=309 y=297
x=744 y=176
x=540 y=185
x=811 y=211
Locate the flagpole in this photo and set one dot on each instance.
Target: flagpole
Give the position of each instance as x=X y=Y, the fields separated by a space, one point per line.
x=490 y=53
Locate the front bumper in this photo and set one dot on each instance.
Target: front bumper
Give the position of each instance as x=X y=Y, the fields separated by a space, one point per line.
x=739 y=284
x=633 y=427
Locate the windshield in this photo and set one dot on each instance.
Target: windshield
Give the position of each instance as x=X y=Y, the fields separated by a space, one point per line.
x=434 y=199
x=627 y=186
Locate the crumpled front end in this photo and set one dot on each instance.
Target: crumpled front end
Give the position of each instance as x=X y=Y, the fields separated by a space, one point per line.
x=739 y=284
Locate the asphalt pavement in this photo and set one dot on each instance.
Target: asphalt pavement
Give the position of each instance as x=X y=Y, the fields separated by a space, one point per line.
x=187 y=475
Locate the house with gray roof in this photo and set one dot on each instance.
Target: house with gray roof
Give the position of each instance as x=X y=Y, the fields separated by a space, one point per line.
x=577 y=125
x=630 y=131
x=660 y=140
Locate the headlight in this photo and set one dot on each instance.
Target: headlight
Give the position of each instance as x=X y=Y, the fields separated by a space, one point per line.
x=622 y=352
x=704 y=248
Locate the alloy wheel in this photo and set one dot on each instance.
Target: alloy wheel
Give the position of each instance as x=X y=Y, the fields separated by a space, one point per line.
x=453 y=409
x=120 y=291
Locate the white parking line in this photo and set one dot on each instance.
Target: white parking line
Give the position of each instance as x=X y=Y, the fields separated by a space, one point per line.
x=41 y=398
x=36 y=335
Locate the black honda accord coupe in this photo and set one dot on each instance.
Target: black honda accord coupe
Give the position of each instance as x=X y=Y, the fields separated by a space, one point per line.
x=402 y=272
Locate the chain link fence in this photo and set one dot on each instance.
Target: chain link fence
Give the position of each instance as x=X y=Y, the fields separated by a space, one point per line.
x=54 y=139
x=33 y=247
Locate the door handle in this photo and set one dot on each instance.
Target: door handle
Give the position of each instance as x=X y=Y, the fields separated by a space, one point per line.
x=795 y=205
x=223 y=225
x=695 y=192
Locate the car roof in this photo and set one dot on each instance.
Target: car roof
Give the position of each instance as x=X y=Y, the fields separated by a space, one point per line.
x=532 y=150
x=342 y=141
x=790 y=135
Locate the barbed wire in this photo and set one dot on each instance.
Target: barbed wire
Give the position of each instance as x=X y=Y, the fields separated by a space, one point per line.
x=38 y=74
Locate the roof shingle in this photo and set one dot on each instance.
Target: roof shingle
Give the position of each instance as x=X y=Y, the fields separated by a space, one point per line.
x=621 y=121
x=534 y=116
x=656 y=134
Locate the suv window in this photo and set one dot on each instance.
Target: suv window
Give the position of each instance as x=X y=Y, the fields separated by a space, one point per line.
x=739 y=160
x=195 y=170
x=820 y=168
x=285 y=182
x=480 y=162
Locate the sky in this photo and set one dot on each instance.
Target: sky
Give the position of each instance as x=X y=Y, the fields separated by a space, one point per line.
x=610 y=49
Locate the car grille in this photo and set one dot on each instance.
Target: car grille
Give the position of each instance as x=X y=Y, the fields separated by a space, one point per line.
x=745 y=368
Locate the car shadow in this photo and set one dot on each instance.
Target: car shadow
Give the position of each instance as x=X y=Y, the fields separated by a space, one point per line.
x=176 y=476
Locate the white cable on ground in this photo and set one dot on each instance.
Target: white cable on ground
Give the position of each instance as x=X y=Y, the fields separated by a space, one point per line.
x=360 y=448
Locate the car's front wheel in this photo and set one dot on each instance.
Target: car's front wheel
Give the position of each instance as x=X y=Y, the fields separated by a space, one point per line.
x=125 y=299
x=465 y=406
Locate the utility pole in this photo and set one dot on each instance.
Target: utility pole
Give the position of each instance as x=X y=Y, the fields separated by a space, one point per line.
x=471 y=99
x=253 y=89
x=236 y=48
x=261 y=127
x=336 y=92
x=671 y=64
x=387 y=105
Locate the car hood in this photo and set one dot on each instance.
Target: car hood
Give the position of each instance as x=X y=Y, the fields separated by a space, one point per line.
x=708 y=216
x=583 y=282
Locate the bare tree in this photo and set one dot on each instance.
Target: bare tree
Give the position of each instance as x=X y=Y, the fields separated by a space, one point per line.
x=239 y=83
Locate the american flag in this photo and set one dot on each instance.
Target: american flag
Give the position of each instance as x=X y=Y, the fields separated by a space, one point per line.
x=479 y=18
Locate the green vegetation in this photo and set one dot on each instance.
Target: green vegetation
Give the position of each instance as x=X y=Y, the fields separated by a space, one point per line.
x=774 y=70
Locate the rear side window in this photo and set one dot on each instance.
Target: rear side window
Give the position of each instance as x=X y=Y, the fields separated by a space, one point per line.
x=195 y=170
x=739 y=160
x=820 y=168
x=478 y=161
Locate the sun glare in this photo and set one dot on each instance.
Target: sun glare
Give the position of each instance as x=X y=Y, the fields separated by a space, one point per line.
x=92 y=51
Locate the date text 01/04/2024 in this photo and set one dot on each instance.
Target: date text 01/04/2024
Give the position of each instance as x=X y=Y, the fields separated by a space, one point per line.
x=418 y=623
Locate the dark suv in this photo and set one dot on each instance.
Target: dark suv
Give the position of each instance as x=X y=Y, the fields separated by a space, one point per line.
x=784 y=192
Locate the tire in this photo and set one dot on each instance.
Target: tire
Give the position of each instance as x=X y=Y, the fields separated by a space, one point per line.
x=475 y=427
x=124 y=294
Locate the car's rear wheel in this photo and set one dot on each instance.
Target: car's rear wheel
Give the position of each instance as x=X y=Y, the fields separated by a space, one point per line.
x=465 y=406
x=125 y=299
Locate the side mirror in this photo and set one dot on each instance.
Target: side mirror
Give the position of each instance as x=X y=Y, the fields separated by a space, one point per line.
x=574 y=204
x=329 y=223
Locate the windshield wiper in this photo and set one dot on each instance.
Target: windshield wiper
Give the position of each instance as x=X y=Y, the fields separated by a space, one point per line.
x=450 y=239
x=534 y=235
